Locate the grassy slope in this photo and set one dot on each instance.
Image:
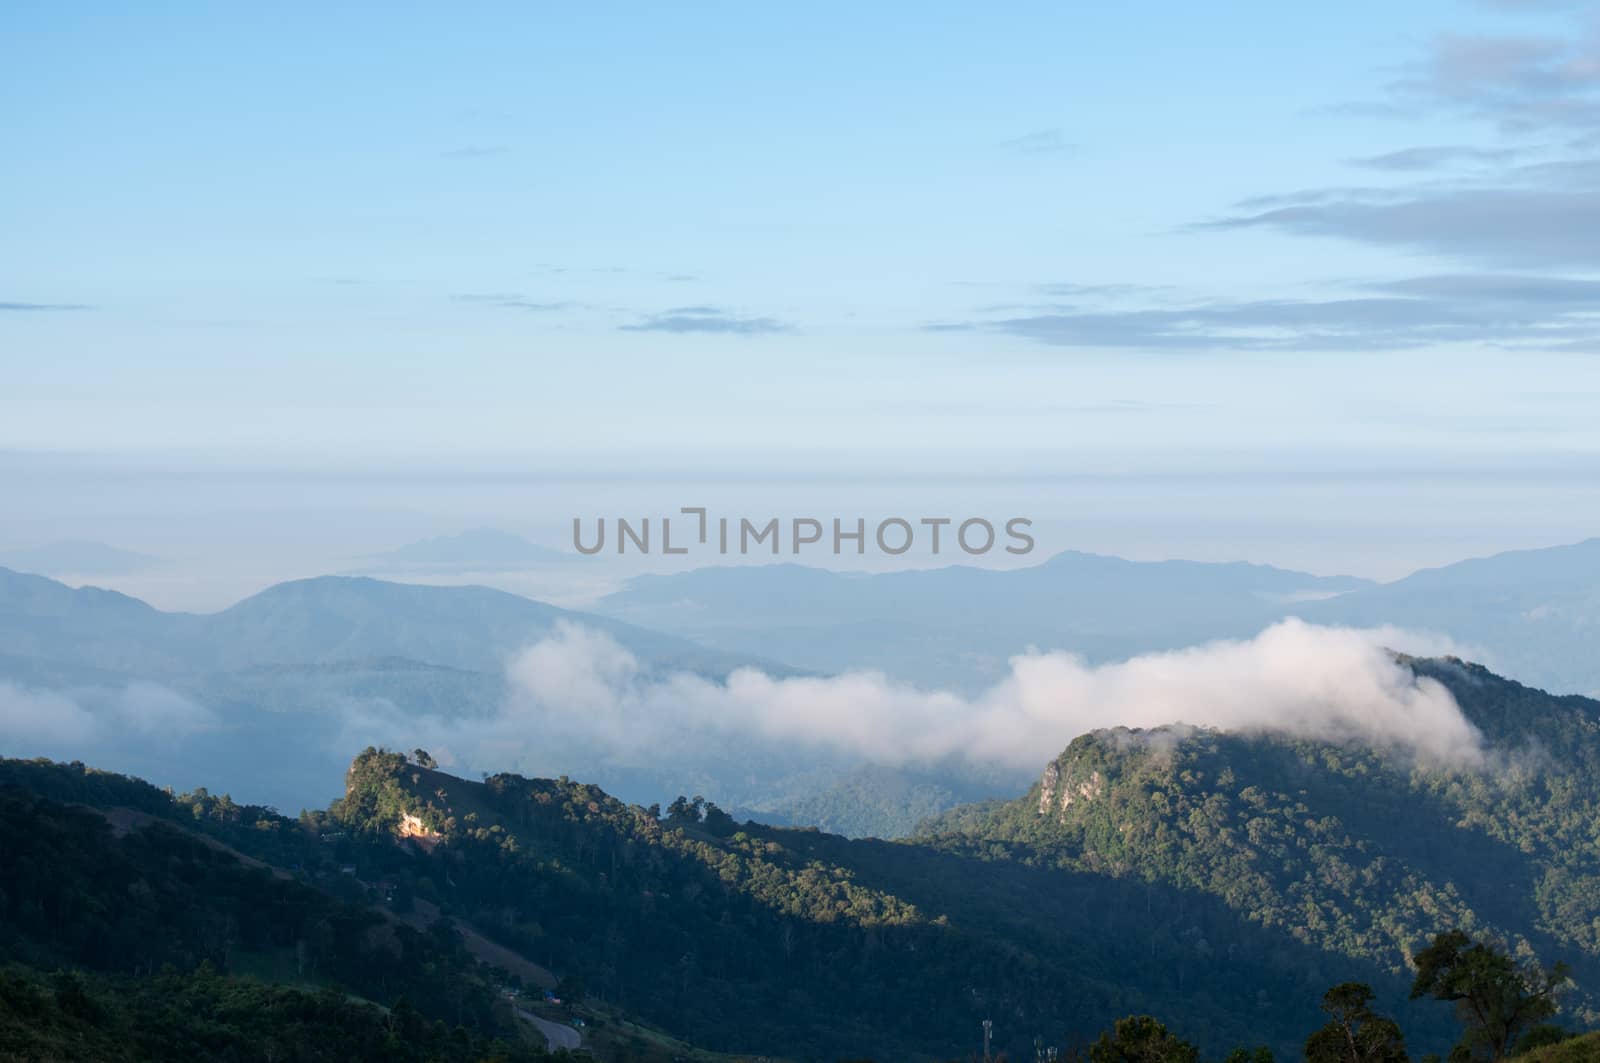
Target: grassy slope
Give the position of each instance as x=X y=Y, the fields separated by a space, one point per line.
x=1583 y=1049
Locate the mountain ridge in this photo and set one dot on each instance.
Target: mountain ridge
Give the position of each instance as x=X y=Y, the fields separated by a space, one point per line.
x=1363 y=849
x=1531 y=613
x=1219 y=880
x=296 y=620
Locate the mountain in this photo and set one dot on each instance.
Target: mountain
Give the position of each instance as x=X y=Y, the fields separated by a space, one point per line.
x=88 y=627
x=167 y=943
x=77 y=557
x=476 y=628
x=959 y=625
x=1534 y=613
x=1362 y=852
x=1530 y=613
x=483 y=549
x=1219 y=881
x=876 y=801
x=743 y=938
x=265 y=696
x=329 y=618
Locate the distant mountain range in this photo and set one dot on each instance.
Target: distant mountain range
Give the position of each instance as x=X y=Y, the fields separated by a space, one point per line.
x=958 y=626
x=327 y=619
x=481 y=549
x=271 y=689
x=1534 y=614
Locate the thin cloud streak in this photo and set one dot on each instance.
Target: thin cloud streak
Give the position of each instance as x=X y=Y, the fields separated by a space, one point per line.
x=28 y=308
x=1041 y=143
x=1508 y=310
x=511 y=301
x=1515 y=227
x=707 y=319
x=1434 y=158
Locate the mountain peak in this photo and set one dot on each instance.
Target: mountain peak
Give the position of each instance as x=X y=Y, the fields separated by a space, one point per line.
x=478 y=547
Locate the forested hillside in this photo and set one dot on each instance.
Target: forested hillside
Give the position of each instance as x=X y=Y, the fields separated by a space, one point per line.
x=163 y=923
x=816 y=946
x=1357 y=851
x=1222 y=882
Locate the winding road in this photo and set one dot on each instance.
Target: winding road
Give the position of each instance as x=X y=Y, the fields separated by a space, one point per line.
x=556 y=1035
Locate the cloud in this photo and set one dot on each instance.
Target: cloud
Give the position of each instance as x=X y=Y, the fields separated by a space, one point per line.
x=1520 y=83
x=1501 y=288
x=1024 y=406
x=473 y=151
x=511 y=301
x=1434 y=158
x=1100 y=291
x=44 y=307
x=1307 y=196
x=1509 y=310
x=1540 y=93
x=31 y=716
x=153 y=709
x=707 y=319
x=1539 y=227
x=66 y=721
x=1043 y=142
x=1293 y=679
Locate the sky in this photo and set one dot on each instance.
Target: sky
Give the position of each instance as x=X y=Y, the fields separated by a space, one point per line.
x=1310 y=284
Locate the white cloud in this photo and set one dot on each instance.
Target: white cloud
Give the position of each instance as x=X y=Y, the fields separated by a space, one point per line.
x=35 y=722
x=151 y=708
x=1293 y=679
x=40 y=716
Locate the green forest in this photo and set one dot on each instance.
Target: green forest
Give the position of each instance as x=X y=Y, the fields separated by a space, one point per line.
x=1171 y=894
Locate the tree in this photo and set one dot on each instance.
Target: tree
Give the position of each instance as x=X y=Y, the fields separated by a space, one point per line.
x=423 y=759
x=684 y=812
x=1259 y=1054
x=1355 y=1033
x=1141 y=1039
x=72 y=997
x=718 y=822
x=1496 y=999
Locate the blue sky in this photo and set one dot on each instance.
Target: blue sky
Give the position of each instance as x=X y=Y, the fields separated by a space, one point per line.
x=815 y=241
